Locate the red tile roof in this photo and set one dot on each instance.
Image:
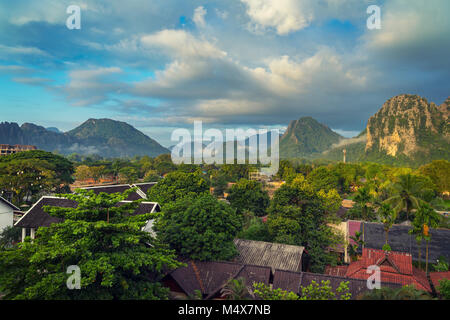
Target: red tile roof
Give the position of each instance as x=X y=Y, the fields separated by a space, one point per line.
x=395 y=267
x=437 y=276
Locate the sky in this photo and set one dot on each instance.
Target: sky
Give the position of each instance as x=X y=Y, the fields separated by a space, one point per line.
x=160 y=65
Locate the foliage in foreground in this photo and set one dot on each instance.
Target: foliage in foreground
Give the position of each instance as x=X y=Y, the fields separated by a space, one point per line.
x=313 y=291
x=200 y=228
x=403 y=293
x=116 y=259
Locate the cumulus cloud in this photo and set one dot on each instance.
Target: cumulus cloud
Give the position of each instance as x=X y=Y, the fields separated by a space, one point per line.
x=287 y=16
x=413 y=32
x=92 y=86
x=202 y=82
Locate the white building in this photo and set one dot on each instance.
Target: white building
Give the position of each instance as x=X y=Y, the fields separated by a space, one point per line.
x=7 y=210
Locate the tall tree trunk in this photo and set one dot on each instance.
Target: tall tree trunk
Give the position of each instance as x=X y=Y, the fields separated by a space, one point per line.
x=363 y=238
x=420 y=254
x=426 y=265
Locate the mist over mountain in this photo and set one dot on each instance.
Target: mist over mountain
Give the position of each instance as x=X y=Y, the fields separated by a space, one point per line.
x=108 y=138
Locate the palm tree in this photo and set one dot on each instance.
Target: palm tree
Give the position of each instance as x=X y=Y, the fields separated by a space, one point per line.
x=405 y=194
x=418 y=233
x=426 y=218
x=235 y=289
x=388 y=217
x=362 y=198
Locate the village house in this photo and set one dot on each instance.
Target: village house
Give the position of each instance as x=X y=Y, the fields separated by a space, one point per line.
x=7 y=149
x=395 y=267
x=36 y=217
x=8 y=212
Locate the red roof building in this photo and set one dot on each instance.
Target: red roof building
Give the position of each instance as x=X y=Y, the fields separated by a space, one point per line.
x=395 y=267
x=435 y=277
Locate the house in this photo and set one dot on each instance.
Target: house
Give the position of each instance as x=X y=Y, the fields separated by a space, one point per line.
x=138 y=194
x=6 y=149
x=395 y=267
x=7 y=213
x=435 y=277
x=36 y=217
x=400 y=240
x=210 y=277
x=267 y=254
x=144 y=186
x=294 y=281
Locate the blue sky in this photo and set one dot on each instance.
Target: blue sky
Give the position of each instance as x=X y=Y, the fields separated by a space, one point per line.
x=160 y=65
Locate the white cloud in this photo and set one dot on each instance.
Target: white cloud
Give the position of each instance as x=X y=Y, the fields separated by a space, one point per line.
x=284 y=15
x=199 y=17
x=92 y=86
x=181 y=43
x=287 y=16
x=20 y=50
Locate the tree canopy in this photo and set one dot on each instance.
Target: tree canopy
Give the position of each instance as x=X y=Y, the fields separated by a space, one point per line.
x=200 y=228
x=117 y=260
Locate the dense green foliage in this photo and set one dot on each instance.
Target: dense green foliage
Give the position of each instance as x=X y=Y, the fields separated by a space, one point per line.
x=200 y=228
x=403 y=293
x=248 y=195
x=177 y=185
x=314 y=291
x=297 y=216
x=116 y=259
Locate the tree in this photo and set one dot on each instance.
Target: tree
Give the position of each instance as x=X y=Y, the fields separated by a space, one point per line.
x=313 y=291
x=444 y=288
x=388 y=217
x=249 y=195
x=177 y=185
x=200 y=228
x=324 y=291
x=403 y=293
x=63 y=168
x=297 y=216
x=323 y=178
x=425 y=219
x=235 y=289
x=265 y=292
x=439 y=173
x=117 y=260
x=406 y=193
x=363 y=197
x=82 y=172
x=256 y=230
x=9 y=236
x=27 y=178
x=129 y=174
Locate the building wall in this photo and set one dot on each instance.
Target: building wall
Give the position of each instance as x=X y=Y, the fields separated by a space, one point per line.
x=6 y=216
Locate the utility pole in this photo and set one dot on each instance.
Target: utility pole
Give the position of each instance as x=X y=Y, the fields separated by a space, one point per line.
x=345 y=153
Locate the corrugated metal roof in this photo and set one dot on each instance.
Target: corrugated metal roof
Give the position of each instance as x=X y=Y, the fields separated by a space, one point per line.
x=36 y=217
x=274 y=255
x=211 y=276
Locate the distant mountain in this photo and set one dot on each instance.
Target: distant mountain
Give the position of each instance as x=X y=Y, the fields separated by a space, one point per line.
x=108 y=138
x=307 y=138
x=53 y=129
x=114 y=138
x=409 y=129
